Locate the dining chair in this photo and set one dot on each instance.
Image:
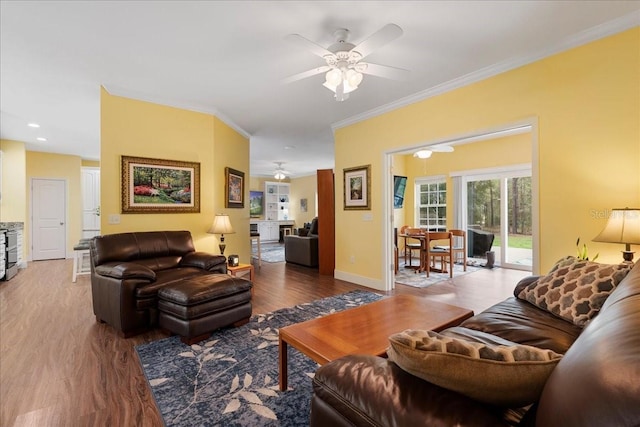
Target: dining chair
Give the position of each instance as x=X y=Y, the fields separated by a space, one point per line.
x=433 y=253
x=460 y=246
x=410 y=246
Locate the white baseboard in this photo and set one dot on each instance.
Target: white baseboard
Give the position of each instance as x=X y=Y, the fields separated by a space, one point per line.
x=359 y=280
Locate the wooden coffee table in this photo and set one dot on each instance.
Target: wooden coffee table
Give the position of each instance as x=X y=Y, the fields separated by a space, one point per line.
x=365 y=329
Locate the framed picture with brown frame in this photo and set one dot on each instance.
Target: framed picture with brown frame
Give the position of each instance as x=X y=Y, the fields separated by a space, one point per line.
x=159 y=186
x=357 y=188
x=234 y=188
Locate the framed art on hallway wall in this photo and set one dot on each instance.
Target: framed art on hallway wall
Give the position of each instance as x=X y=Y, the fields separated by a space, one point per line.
x=234 y=188
x=357 y=188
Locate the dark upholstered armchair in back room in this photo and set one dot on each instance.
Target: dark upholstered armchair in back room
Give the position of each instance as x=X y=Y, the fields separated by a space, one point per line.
x=303 y=250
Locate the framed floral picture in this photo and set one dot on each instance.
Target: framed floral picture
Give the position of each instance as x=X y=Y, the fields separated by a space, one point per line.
x=159 y=186
x=234 y=188
x=357 y=188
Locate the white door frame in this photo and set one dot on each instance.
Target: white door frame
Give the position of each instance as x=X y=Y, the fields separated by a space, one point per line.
x=66 y=215
x=529 y=125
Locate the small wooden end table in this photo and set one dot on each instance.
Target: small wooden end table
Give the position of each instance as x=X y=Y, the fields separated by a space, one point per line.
x=240 y=268
x=364 y=329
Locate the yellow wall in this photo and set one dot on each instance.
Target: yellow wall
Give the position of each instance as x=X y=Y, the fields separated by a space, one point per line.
x=59 y=166
x=13 y=207
x=142 y=129
x=304 y=187
x=587 y=104
x=90 y=163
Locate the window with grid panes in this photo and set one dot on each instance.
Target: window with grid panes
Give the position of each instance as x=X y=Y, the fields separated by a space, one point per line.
x=431 y=195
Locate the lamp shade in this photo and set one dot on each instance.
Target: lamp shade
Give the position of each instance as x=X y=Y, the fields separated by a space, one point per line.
x=221 y=225
x=623 y=226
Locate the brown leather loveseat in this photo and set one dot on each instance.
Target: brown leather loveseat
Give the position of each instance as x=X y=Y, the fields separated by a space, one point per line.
x=595 y=383
x=128 y=269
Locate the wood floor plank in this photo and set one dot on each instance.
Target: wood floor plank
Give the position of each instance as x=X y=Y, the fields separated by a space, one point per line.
x=58 y=366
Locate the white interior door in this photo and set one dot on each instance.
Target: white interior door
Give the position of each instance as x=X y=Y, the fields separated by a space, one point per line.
x=48 y=201
x=90 y=202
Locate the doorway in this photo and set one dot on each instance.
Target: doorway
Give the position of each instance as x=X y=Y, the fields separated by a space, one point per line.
x=48 y=225
x=527 y=126
x=498 y=209
x=90 y=202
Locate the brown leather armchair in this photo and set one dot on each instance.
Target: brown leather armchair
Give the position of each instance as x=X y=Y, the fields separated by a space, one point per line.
x=128 y=269
x=303 y=250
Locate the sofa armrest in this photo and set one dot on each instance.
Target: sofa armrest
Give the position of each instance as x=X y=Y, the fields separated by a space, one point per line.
x=126 y=270
x=205 y=261
x=369 y=390
x=523 y=283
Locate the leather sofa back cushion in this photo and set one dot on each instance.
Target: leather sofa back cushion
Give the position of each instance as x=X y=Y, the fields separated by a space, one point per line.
x=488 y=369
x=167 y=246
x=575 y=289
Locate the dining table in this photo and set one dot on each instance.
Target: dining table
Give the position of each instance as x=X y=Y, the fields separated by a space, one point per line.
x=424 y=263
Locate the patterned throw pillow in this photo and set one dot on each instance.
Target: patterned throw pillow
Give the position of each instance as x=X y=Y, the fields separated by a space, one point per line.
x=575 y=289
x=505 y=375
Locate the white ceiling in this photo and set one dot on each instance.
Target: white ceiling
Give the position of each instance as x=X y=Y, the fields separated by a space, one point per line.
x=228 y=58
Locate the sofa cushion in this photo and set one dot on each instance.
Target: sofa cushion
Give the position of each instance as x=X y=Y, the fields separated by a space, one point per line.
x=575 y=289
x=488 y=369
x=522 y=323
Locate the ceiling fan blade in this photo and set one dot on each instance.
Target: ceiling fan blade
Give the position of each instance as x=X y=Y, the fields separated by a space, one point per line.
x=383 y=71
x=441 y=148
x=305 y=74
x=378 y=39
x=314 y=48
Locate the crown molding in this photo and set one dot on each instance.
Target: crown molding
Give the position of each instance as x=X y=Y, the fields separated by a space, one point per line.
x=603 y=30
x=126 y=93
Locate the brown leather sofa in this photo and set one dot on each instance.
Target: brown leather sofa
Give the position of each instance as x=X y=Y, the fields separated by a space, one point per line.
x=128 y=269
x=596 y=383
x=303 y=250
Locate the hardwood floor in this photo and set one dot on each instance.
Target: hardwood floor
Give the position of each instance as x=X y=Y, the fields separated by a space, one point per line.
x=59 y=367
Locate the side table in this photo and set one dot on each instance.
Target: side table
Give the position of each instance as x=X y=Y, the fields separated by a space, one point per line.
x=240 y=268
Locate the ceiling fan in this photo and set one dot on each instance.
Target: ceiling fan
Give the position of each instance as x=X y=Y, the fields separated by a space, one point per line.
x=425 y=153
x=345 y=69
x=280 y=173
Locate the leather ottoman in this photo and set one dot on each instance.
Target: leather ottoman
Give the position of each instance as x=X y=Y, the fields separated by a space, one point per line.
x=195 y=307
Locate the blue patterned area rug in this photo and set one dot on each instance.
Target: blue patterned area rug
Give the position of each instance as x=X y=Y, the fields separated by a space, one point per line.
x=408 y=276
x=231 y=379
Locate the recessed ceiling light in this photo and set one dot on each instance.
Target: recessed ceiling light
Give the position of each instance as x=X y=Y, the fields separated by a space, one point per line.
x=33 y=125
x=289 y=147
x=41 y=139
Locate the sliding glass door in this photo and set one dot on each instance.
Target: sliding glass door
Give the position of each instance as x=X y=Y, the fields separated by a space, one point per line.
x=499 y=217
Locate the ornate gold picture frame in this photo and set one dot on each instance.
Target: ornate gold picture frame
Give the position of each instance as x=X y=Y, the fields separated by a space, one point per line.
x=160 y=186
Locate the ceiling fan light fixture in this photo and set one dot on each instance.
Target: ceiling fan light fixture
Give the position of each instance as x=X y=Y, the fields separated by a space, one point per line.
x=333 y=78
x=279 y=175
x=423 y=154
x=354 y=78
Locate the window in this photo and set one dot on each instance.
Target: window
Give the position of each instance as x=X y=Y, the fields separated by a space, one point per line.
x=431 y=209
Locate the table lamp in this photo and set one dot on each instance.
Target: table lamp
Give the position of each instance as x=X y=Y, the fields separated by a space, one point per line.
x=221 y=225
x=623 y=227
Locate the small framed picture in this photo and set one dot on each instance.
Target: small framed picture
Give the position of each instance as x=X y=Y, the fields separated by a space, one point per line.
x=357 y=188
x=234 y=188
